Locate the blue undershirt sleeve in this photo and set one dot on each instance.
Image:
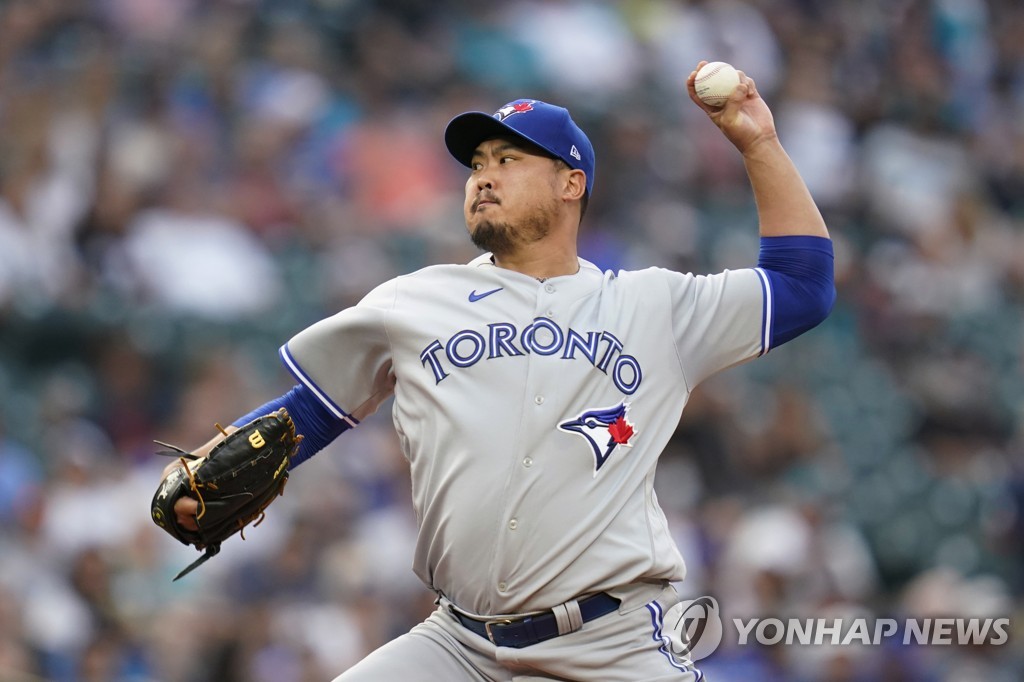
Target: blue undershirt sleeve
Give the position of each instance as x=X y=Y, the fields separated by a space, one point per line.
x=800 y=269
x=313 y=420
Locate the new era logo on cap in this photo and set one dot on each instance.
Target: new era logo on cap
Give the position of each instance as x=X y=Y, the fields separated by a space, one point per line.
x=545 y=125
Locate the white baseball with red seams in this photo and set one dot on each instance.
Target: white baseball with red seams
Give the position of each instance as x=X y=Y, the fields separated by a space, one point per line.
x=715 y=82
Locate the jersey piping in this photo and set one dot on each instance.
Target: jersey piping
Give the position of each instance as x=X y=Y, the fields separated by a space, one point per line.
x=297 y=372
x=766 y=312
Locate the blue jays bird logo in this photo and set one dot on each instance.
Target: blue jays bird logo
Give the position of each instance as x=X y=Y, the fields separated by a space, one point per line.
x=604 y=429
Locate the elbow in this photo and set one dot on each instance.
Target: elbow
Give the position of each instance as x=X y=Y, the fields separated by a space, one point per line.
x=801 y=305
x=819 y=299
x=822 y=304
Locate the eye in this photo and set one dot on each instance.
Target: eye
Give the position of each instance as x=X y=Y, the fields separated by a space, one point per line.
x=476 y=165
x=507 y=158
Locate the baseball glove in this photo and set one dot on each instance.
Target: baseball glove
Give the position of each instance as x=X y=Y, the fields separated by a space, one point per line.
x=234 y=485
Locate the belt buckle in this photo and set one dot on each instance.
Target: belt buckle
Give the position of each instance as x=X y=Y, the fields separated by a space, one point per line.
x=489 y=623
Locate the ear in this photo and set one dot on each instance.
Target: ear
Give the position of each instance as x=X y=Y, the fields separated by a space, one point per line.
x=575 y=185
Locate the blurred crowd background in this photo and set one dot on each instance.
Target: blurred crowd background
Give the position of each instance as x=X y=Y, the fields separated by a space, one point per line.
x=184 y=184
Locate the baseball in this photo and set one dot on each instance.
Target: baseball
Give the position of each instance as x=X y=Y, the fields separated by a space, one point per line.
x=715 y=82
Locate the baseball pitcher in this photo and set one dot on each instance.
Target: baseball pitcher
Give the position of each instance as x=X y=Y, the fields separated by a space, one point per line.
x=534 y=393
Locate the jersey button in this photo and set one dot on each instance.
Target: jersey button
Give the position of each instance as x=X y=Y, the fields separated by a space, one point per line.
x=550 y=288
x=528 y=462
x=502 y=587
x=513 y=524
x=550 y=313
x=539 y=399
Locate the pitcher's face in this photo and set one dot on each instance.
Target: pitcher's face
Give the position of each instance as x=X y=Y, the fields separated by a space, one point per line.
x=512 y=196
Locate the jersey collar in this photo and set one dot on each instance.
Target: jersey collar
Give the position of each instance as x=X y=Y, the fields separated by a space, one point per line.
x=487 y=260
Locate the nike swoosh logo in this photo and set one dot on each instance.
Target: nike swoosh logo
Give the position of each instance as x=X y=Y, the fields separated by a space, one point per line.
x=474 y=297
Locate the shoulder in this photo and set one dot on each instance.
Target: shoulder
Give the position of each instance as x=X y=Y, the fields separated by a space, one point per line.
x=684 y=286
x=646 y=277
x=425 y=282
x=665 y=275
x=436 y=271
x=481 y=263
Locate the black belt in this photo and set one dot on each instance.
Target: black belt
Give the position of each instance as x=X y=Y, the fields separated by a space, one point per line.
x=520 y=632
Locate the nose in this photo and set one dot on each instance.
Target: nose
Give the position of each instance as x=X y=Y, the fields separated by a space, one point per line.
x=483 y=174
x=483 y=180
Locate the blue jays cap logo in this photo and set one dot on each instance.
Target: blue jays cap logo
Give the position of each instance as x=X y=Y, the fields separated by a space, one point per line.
x=517 y=107
x=547 y=126
x=604 y=429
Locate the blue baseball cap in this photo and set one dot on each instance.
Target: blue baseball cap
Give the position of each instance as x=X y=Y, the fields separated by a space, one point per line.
x=544 y=125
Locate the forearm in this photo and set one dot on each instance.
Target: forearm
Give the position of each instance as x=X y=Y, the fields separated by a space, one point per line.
x=784 y=204
x=318 y=426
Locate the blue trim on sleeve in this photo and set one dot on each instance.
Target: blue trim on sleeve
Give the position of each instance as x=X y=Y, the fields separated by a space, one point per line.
x=800 y=270
x=293 y=367
x=767 y=308
x=313 y=420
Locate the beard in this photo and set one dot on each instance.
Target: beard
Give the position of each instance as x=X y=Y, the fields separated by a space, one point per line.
x=502 y=238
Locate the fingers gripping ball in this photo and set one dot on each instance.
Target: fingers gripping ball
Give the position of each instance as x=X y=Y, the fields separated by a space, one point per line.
x=234 y=485
x=715 y=82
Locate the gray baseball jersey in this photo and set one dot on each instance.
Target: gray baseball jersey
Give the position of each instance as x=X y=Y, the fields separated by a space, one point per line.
x=533 y=414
